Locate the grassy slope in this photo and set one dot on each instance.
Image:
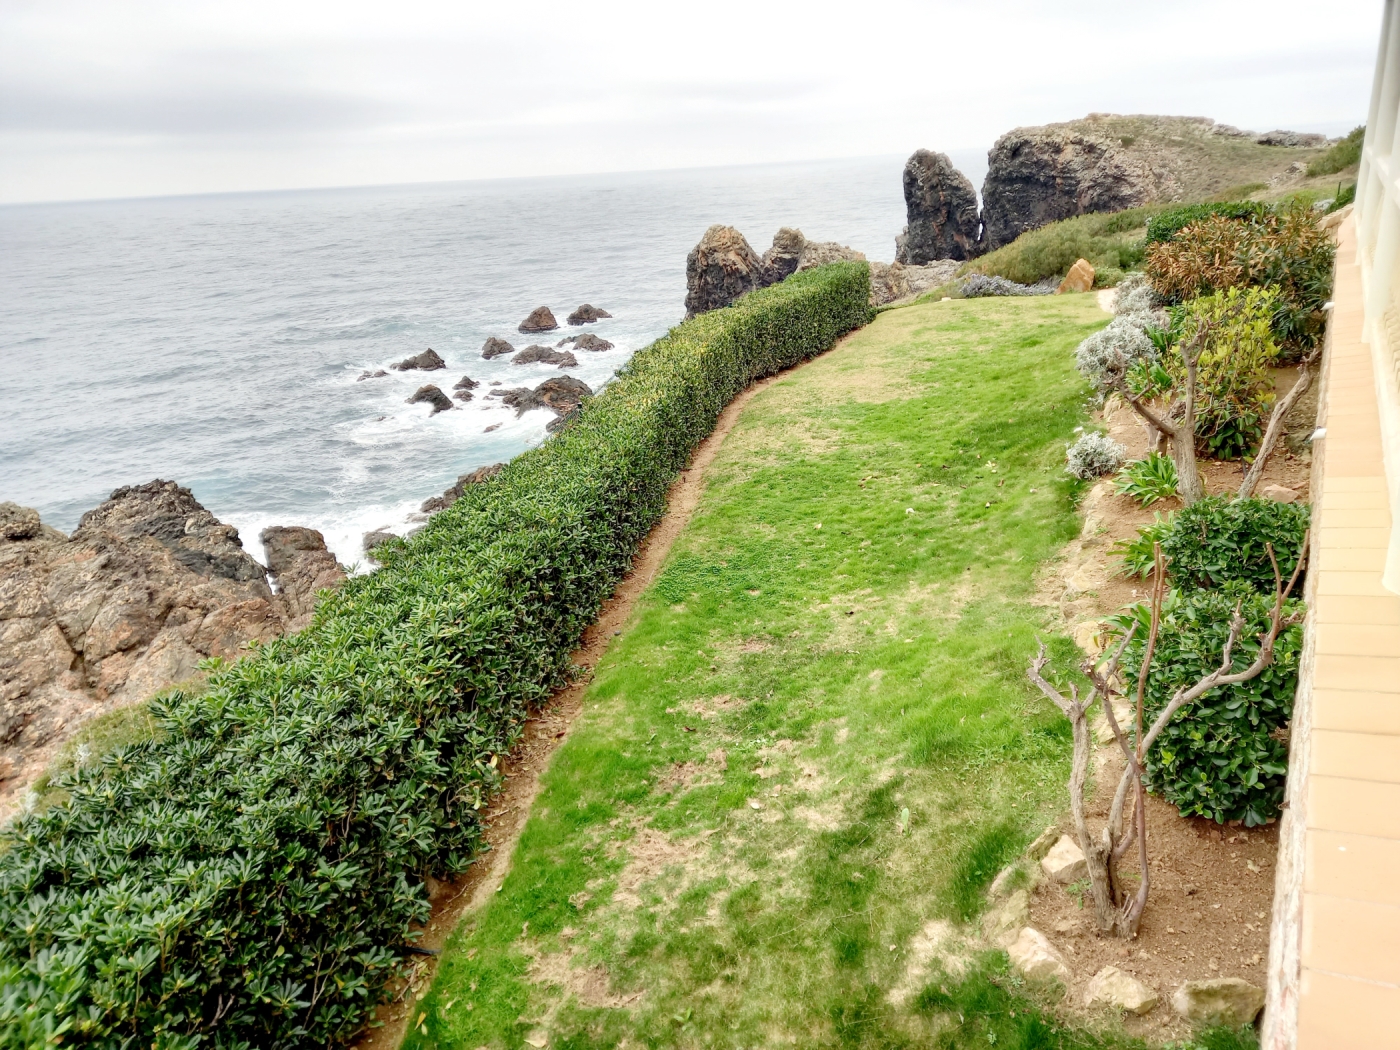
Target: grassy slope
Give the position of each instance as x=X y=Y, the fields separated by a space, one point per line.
x=855 y=676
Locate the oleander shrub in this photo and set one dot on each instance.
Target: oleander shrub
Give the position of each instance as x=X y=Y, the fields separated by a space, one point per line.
x=1093 y=455
x=1221 y=540
x=1225 y=756
x=1340 y=156
x=249 y=877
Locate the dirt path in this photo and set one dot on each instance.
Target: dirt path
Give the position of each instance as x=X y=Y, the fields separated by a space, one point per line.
x=505 y=817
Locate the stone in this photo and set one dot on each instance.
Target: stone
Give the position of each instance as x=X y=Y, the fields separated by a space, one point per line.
x=1221 y=1000
x=544 y=355
x=1035 y=957
x=1041 y=846
x=520 y=398
x=1002 y=925
x=1079 y=279
x=494 y=347
x=429 y=394
x=379 y=374
x=462 y=389
x=587 y=341
x=563 y=394
x=780 y=261
x=719 y=270
x=587 y=314
x=1065 y=862
x=941 y=207
x=376 y=538
x=891 y=282
x=149 y=584
x=427 y=361
x=1041 y=175
x=1112 y=987
x=1292 y=139
x=1278 y=494
x=540 y=320
x=819 y=253
x=298 y=560
x=454 y=492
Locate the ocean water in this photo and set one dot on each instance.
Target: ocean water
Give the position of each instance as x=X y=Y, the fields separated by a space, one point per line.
x=217 y=340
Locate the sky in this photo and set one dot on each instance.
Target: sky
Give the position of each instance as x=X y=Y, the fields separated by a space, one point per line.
x=100 y=98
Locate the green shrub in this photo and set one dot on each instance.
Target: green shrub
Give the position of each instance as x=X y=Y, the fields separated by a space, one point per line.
x=1138 y=553
x=1148 y=480
x=1219 y=540
x=1345 y=195
x=1341 y=156
x=1165 y=226
x=250 y=876
x=1225 y=756
x=1111 y=242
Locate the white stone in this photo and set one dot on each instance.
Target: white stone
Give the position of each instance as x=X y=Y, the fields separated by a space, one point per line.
x=1002 y=925
x=1112 y=987
x=1278 y=493
x=1222 y=1000
x=1065 y=862
x=1033 y=955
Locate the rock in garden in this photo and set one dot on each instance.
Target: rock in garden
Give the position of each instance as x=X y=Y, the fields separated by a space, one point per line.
x=1112 y=987
x=1065 y=862
x=1002 y=925
x=427 y=361
x=374 y=539
x=379 y=374
x=587 y=341
x=586 y=314
x=454 y=492
x=540 y=320
x=563 y=394
x=494 y=347
x=941 y=206
x=1222 y=1000
x=431 y=395
x=1278 y=494
x=780 y=261
x=1033 y=955
x=890 y=282
x=720 y=269
x=298 y=560
x=544 y=355
x=1079 y=279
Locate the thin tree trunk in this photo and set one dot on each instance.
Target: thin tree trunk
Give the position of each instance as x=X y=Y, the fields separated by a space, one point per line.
x=1275 y=431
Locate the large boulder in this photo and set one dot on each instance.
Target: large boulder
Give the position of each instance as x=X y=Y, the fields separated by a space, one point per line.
x=540 y=320
x=942 y=210
x=1041 y=175
x=1223 y=1000
x=781 y=259
x=494 y=347
x=587 y=314
x=427 y=361
x=1080 y=278
x=563 y=394
x=544 y=355
x=148 y=585
x=587 y=341
x=720 y=269
x=1035 y=957
x=819 y=253
x=302 y=566
x=1112 y=987
x=890 y=282
x=431 y=395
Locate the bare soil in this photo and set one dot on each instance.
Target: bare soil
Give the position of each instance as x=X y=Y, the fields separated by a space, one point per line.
x=504 y=819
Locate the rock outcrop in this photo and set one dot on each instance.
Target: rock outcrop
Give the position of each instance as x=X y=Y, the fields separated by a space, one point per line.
x=544 y=355
x=942 y=211
x=540 y=320
x=587 y=341
x=564 y=394
x=494 y=347
x=587 y=314
x=297 y=557
x=454 y=492
x=891 y=282
x=720 y=269
x=463 y=388
x=427 y=361
x=149 y=584
x=432 y=395
x=780 y=261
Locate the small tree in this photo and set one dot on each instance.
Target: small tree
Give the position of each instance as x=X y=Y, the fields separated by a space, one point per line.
x=1115 y=910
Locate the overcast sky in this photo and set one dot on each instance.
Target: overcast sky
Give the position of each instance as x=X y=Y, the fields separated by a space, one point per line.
x=115 y=98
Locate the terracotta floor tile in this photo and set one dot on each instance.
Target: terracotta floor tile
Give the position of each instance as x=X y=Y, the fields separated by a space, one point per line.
x=1351 y=582
x=1352 y=937
x=1359 y=756
x=1337 y=1013
x=1358 y=867
x=1379 y=674
x=1356 y=711
x=1354 y=609
x=1357 y=807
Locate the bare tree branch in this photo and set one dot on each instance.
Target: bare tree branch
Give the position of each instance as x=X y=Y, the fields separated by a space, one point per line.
x=1275 y=429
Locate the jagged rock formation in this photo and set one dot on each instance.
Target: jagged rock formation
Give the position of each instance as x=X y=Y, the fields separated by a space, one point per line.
x=720 y=269
x=463 y=388
x=781 y=259
x=427 y=361
x=149 y=584
x=942 y=210
x=562 y=396
x=454 y=492
x=544 y=355
x=494 y=347
x=302 y=565
x=587 y=341
x=432 y=395
x=540 y=320
x=587 y=314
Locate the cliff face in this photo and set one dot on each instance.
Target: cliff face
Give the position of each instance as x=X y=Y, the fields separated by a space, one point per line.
x=942 y=209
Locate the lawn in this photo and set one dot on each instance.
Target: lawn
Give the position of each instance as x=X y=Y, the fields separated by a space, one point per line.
x=815 y=742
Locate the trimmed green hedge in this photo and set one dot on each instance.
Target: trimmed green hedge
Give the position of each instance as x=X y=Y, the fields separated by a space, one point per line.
x=250 y=879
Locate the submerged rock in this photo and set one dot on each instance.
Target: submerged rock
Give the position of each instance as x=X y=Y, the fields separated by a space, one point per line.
x=494 y=347
x=427 y=361
x=941 y=206
x=431 y=395
x=376 y=538
x=540 y=320
x=544 y=355
x=302 y=566
x=462 y=389
x=367 y=374
x=720 y=269
x=587 y=314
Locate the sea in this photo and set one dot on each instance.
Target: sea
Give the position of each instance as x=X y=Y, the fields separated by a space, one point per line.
x=218 y=340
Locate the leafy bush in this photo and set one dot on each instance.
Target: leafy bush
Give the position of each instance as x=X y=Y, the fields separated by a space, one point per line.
x=1123 y=342
x=250 y=876
x=1093 y=455
x=1345 y=195
x=1341 y=156
x=1108 y=241
x=1139 y=553
x=1219 y=540
x=1285 y=250
x=1223 y=757
x=1165 y=226
x=1148 y=480
x=977 y=286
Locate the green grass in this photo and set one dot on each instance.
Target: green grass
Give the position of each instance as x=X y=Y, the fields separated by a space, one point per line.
x=1111 y=242
x=815 y=737
x=1345 y=154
